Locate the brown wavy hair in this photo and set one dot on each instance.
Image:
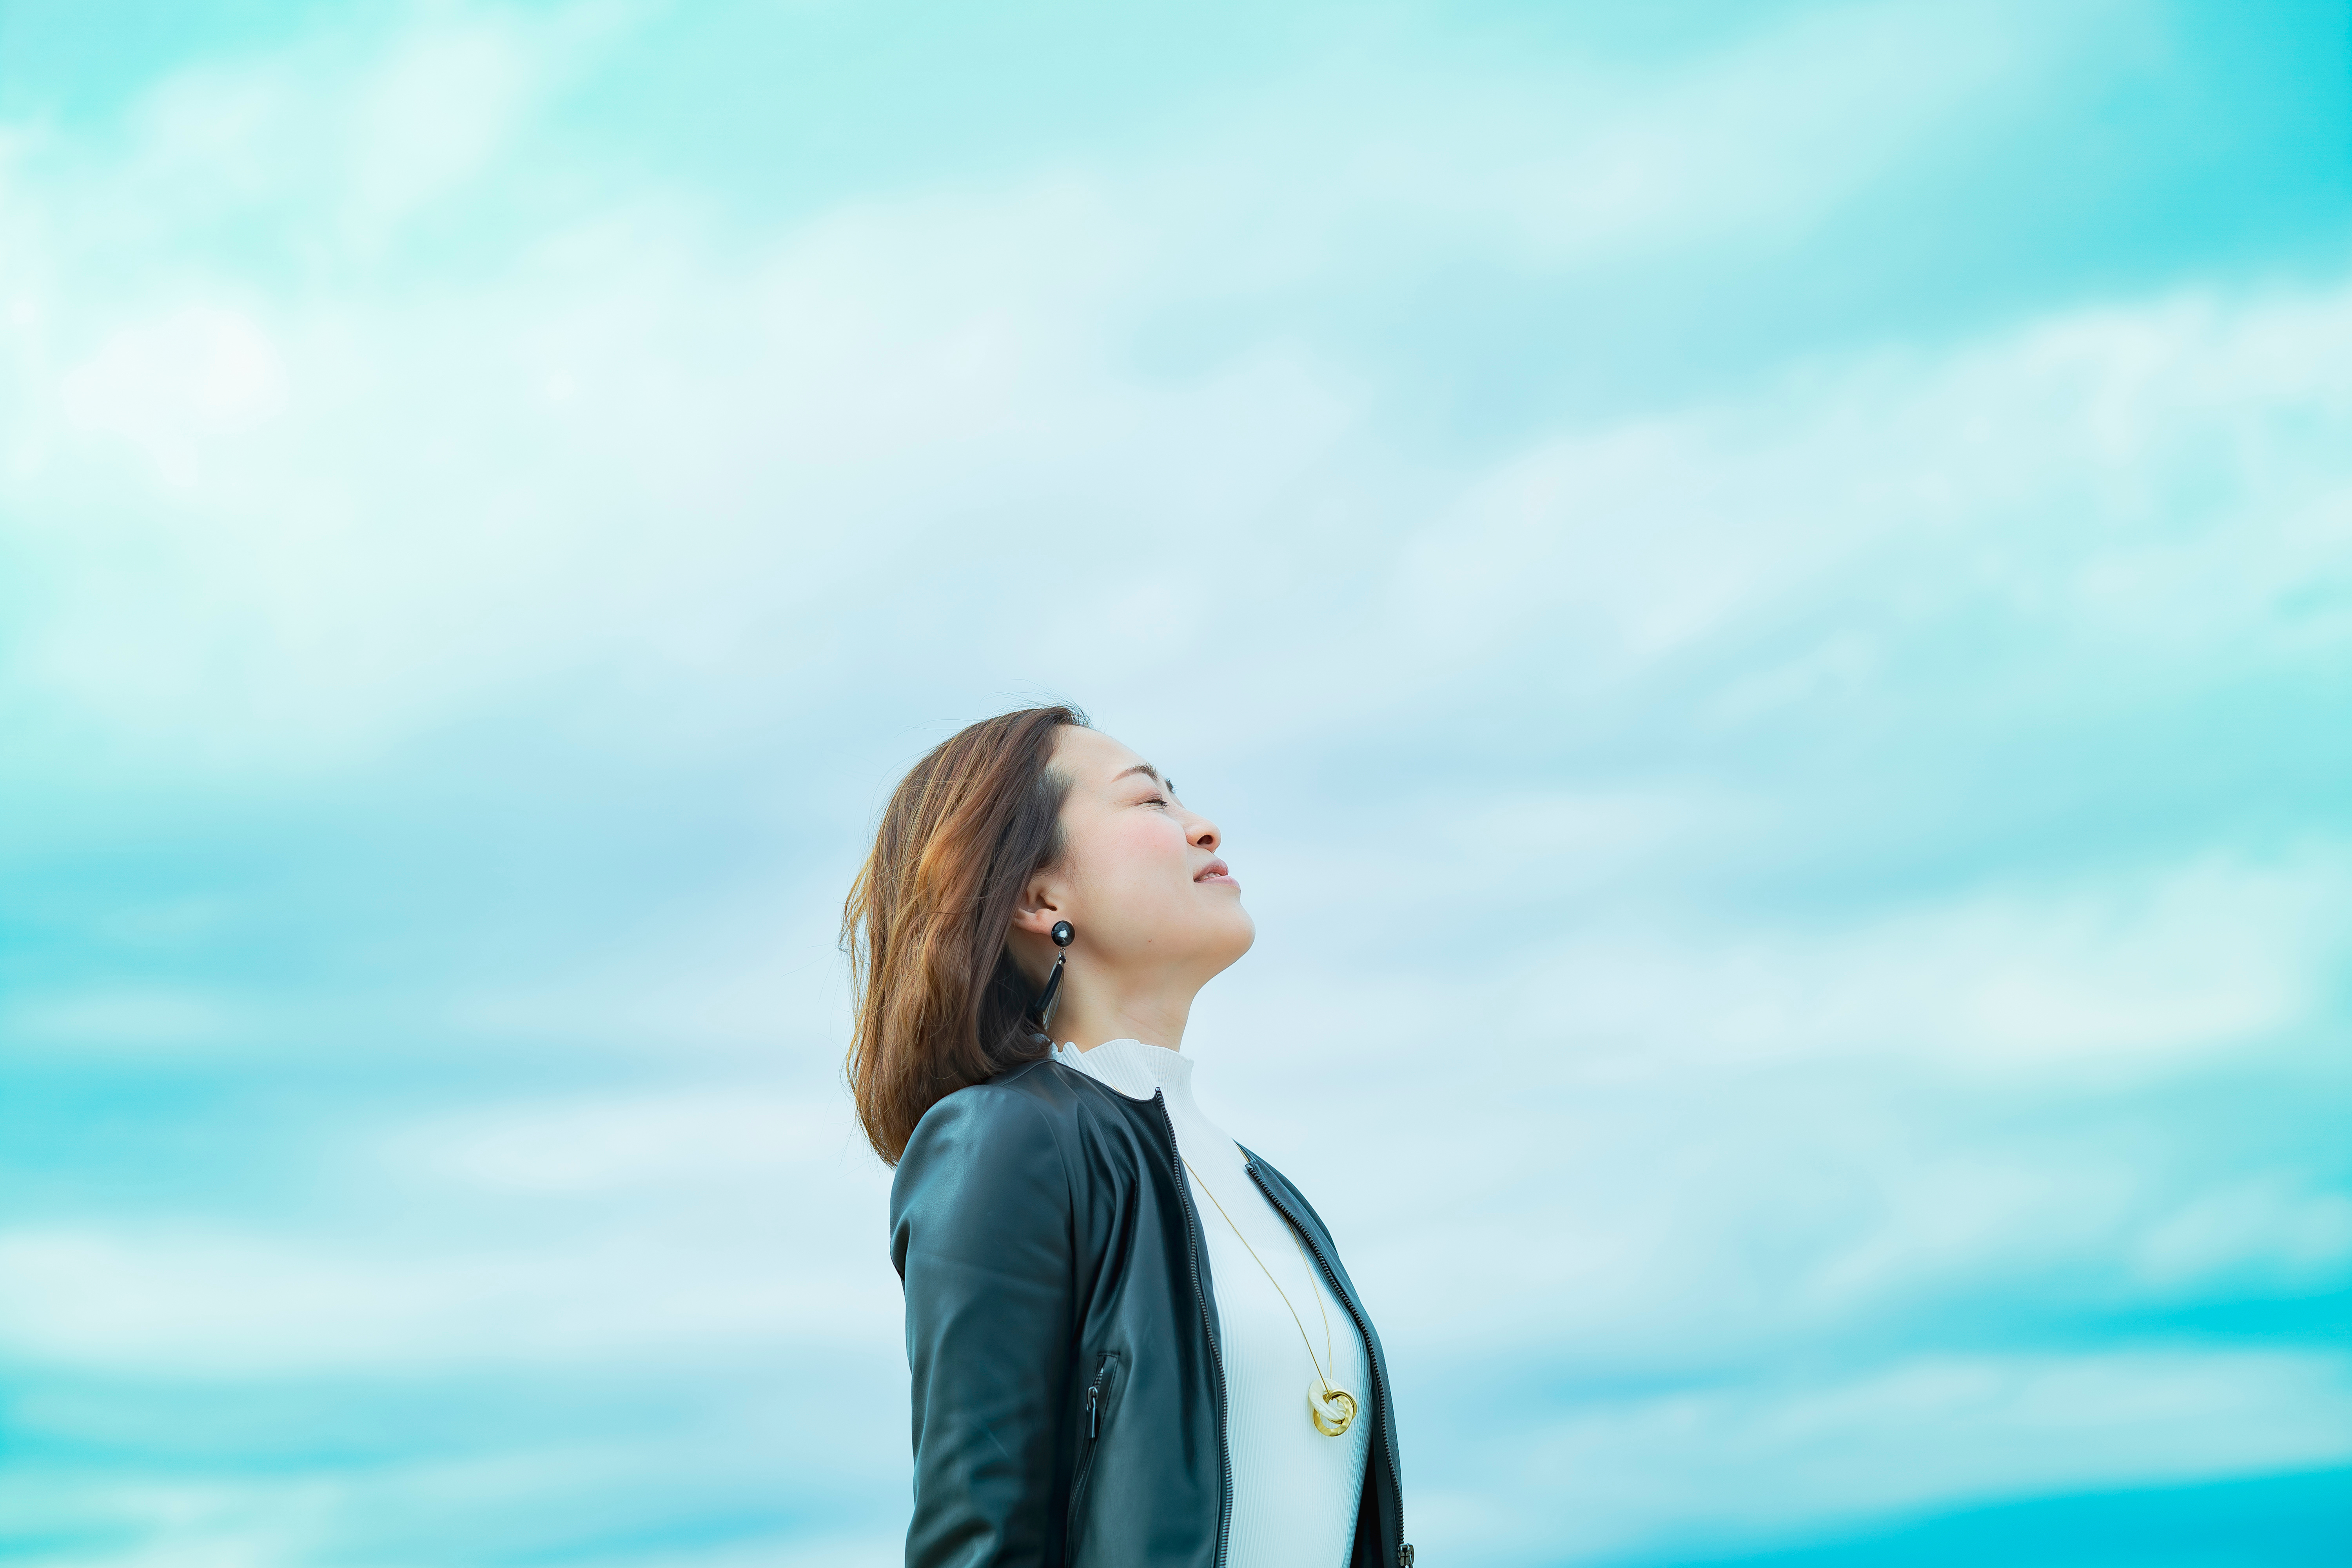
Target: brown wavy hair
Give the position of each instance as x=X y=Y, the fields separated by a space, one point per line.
x=940 y=1003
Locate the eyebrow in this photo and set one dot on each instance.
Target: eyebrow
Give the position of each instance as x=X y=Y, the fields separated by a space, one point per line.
x=1168 y=784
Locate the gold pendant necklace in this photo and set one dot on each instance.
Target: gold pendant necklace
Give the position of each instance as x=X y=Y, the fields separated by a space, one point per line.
x=1333 y=1410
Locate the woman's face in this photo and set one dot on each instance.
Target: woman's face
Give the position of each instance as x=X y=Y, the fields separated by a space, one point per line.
x=1140 y=878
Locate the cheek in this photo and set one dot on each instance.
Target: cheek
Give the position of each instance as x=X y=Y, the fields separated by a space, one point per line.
x=1139 y=862
x=1151 y=850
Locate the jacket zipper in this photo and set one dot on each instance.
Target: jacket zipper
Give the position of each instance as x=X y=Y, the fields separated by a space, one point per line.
x=1372 y=1361
x=1098 y=1395
x=1192 y=1242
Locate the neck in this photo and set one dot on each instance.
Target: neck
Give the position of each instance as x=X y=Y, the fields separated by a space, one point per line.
x=1086 y=1016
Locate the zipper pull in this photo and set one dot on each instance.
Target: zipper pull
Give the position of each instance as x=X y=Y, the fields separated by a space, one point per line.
x=1094 y=1392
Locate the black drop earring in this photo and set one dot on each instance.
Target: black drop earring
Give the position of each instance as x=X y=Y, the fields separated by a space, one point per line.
x=1063 y=936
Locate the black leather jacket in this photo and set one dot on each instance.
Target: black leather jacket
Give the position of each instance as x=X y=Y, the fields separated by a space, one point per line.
x=1069 y=1401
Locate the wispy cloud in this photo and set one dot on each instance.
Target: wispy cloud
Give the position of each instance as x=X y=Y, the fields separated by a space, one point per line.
x=1811 y=886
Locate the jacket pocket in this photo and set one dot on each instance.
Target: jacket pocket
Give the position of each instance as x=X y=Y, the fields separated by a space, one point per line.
x=1094 y=1414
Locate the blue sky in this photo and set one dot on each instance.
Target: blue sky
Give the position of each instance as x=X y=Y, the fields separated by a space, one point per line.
x=1764 y=594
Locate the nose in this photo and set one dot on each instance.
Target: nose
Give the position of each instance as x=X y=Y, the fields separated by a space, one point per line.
x=1203 y=834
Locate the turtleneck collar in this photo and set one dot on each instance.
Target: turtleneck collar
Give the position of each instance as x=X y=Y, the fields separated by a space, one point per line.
x=1136 y=1070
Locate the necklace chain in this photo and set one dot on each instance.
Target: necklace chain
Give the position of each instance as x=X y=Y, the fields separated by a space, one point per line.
x=1329 y=1353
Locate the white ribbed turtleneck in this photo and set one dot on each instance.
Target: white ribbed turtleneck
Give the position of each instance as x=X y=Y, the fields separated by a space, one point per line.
x=1295 y=1491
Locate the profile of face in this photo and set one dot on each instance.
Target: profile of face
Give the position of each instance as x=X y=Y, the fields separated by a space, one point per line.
x=1156 y=909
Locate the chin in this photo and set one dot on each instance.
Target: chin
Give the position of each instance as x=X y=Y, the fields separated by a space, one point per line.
x=1221 y=939
x=1241 y=936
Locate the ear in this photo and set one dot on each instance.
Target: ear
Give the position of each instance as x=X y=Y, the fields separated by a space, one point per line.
x=1043 y=901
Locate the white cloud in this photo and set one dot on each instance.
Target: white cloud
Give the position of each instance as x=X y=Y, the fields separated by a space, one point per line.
x=196 y=1302
x=171 y=386
x=286 y=488
x=148 y=1018
x=1866 y=511
x=754 y=1139
x=1684 y=1469
x=379 y=503
x=2105 y=978
x=2271 y=1231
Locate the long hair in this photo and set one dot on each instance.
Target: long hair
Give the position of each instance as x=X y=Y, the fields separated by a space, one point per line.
x=940 y=1003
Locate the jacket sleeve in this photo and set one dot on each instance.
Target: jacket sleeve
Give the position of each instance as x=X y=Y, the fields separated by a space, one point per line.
x=980 y=1231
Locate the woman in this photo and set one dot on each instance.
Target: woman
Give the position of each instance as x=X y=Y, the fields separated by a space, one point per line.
x=1131 y=1340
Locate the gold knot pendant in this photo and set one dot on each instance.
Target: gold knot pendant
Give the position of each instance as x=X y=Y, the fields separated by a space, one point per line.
x=1333 y=1409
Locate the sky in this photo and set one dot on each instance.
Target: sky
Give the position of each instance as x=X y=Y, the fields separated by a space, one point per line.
x=1762 y=595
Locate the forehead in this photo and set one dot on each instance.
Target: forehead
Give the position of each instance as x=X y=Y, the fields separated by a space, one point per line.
x=1091 y=757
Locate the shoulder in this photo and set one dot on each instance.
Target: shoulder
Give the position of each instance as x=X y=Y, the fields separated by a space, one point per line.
x=994 y=1158
x=1035 y=1100
x=1032 y=1118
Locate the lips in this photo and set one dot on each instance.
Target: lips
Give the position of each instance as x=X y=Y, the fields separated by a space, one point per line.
x=1214 y=871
